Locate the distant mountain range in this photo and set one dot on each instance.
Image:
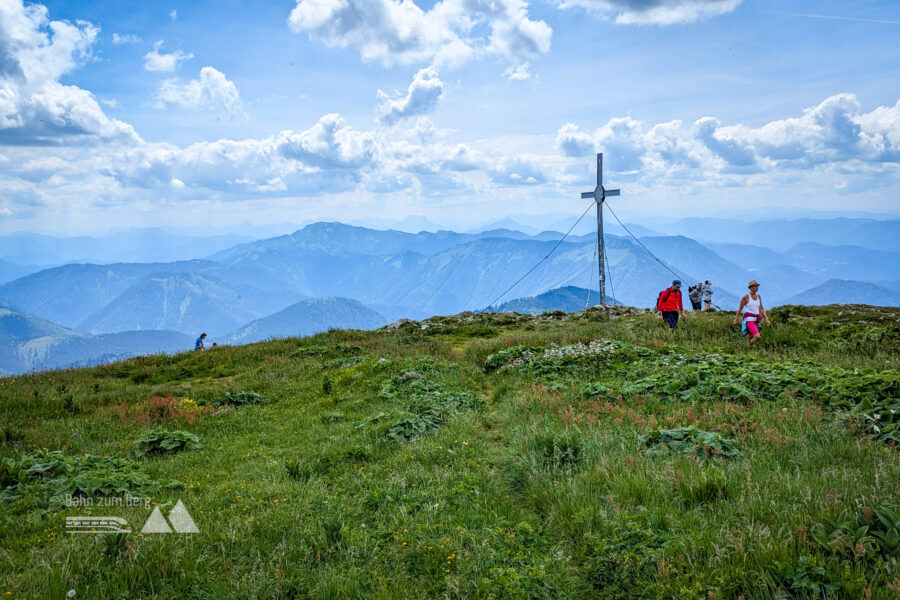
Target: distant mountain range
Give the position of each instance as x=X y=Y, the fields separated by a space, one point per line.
x=840 y=291
x=335 y=275
x=138 y=244
x=782 y=234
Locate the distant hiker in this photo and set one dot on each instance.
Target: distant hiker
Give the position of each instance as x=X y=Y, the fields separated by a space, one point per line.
x=749 y=312
x=198 y=345
x=694 y=293
x=669 y=305
x=214 y=345
x=707 y=295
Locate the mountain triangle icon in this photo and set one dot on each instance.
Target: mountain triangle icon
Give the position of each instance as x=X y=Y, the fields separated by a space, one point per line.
x=180 y=519
x=156 y=523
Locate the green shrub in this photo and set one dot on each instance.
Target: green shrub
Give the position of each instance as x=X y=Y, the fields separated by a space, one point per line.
x=163 y=441
x=690 y=440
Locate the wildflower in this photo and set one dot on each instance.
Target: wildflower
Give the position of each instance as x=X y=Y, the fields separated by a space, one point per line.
x=74 y=435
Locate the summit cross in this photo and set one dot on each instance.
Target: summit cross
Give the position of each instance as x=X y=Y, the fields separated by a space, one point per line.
x=599 y=194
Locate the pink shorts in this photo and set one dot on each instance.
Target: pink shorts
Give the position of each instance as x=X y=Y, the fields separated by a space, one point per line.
x=753 y=328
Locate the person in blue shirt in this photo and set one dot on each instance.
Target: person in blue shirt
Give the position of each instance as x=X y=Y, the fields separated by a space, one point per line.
x=198 y=345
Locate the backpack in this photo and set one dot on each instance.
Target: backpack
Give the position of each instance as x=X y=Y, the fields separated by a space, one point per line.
x=660 y=299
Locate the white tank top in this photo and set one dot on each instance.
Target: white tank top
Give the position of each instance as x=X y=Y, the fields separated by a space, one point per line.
x=752 y=305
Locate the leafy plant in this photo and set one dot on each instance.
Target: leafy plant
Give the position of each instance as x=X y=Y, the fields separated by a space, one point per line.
x=163 y=441
x=52 y=474
x=805 y=579
x=690 y=440
x=429 y=403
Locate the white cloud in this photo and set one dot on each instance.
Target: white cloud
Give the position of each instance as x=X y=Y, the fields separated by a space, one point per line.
x=422 y=97
x=210 y=90
x=156 y=61
x=34 y=107
x=173 y=14
x=518 y=72
x=121 y=40
x=654 y=12
x=448 y=34
x=834 y=133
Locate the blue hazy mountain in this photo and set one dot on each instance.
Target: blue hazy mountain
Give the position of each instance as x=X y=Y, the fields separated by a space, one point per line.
x=342 y=239
x=569 y=299
x=125 y=245
x=845 y=262
x=29 y=343
x=71 y=293
x=308 y=317
x=783 y=234
x=840 y=291
x=891 y=285
x=748 y=255
x=186 y=302
x=10 y=270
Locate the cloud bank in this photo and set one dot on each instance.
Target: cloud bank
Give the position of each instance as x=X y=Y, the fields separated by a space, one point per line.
x=654 y=12
x=451 y=33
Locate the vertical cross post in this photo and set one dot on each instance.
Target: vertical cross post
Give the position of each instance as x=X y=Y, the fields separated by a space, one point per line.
x=599 y=194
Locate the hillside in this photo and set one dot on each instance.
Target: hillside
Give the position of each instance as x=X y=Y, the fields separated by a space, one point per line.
x=566 y=299
x=70 y=294
x=308 y=317
x=473 y=456
x=186 y=302
x=29 y=343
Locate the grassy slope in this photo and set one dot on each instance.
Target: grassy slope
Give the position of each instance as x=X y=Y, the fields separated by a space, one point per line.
x=542 y=491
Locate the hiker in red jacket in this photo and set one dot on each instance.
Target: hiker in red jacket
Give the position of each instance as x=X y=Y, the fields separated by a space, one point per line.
x=669 y=305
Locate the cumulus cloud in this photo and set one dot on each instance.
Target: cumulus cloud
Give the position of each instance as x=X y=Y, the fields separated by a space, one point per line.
x=654 y=12
x=210 y=90
x=422 y=97
x=448 y=34
x=518 y=72
x=34 y=107
x=158 y=61
x=834 y=132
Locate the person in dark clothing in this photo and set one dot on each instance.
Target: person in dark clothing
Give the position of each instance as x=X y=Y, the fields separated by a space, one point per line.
x=669 y=305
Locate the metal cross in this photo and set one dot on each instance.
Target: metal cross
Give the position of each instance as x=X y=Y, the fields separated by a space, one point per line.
x=599 y=195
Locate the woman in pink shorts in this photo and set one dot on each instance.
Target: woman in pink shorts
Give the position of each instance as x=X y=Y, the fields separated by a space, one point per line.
x=750 y=311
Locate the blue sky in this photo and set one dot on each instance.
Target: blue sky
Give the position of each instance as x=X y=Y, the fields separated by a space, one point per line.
x=206 y=114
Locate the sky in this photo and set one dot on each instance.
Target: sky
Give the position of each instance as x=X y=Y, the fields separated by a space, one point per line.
x=207 y=114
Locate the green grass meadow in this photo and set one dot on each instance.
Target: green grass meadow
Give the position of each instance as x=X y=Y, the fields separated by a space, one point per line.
x=478 y=456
